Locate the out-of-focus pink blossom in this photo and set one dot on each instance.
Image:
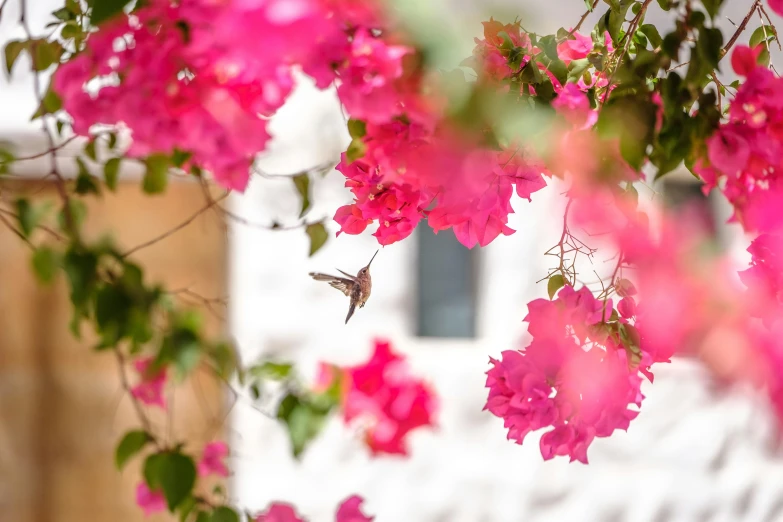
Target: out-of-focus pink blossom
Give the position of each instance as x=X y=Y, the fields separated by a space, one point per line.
x=350 y=510
x=152 y=383
x=556 y=382
x=149 y=501
x=212 y=460
x=383 y=393
x=279 y=512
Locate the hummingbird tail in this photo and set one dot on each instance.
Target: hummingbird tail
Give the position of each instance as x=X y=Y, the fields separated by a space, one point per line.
x=351 y=310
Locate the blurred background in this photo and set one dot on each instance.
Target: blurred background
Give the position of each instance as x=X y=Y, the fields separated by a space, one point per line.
x=696 y=453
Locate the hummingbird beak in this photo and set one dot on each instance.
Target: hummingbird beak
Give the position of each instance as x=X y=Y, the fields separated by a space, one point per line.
x=373 y=257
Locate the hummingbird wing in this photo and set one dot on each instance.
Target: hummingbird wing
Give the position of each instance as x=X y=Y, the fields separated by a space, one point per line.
x=342 y=284
x=355 y=295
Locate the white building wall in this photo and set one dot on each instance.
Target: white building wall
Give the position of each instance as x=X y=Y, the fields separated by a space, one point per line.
x=692 y=455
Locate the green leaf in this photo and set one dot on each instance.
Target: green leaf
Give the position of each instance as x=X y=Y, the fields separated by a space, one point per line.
x=173 y=473
x=70 y=30
x=356 y=150
x=178 y=158
x=111 y=173
x=576 y=68
x=103 y=10
x=50 y=104
x=63 y=14
x=203 y=516
x=302 y=420
x=186 y=507
x=89 y=150
x=78 y=212
x=302 y=184
x=318 y=236
x=762 y=35
x=12 y=51
x=712 y=7
x=223 y=355
x=85 y=182
x=45 y=53
x=224 y=514
x=555 y=283
x=45 y=264
x=652 y=34
x=271 y=370
x=130 y=445
x=26 y=217
x=357 y=128
x=156 y=175
x=589 y=5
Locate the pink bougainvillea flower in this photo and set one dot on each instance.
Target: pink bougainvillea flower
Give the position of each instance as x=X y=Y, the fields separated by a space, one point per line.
x=575 y=49
x=383 y=393
x=728 y=151
x=367 y=81
x=573 y=104
x=777 y=6
x=743 y=59
x=582 y=387
x=350 y=511
x=212 y=460
x=279 y=512
x=149 y=501
x=152 y=384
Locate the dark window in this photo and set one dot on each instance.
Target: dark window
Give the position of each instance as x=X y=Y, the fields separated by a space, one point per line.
x=681 y=196
x=445 y=285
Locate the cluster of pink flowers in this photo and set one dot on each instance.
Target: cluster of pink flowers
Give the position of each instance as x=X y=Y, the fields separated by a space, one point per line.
x=383 y=393
x=177 y=78
x=412 y=168
x=350 y=510
x=745 y=163
x=152 y=383
x=572 y=377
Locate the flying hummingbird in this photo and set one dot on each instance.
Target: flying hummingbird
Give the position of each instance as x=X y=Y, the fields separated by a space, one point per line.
x=357 y=287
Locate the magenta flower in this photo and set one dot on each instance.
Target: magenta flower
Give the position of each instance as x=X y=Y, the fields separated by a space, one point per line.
x=393 y=402
x=152 y=384
x=212 y=460
x=149 y=501
x=279 y=512
x=350 y=511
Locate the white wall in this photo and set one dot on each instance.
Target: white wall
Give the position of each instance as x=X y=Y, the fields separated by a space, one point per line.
x=691 y=455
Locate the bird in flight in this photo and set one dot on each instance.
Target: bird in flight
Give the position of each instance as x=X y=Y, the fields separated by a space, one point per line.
x=357 y=287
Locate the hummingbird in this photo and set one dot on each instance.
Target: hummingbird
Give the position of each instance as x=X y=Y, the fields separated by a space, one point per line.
x=357 y=287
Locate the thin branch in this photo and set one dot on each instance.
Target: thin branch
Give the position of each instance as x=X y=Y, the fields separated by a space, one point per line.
x=741 y=28
x=584 y=17
x=179 y=227
x=70 y=222
x=145 y=422
x=47 y=151
x=323 y=167
x=769 y=21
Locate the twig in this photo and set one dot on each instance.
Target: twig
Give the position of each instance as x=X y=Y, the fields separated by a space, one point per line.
x=741 y=28
x=48 y=151
x=582 y=20
x=628 y=36
x=766 y=15
x=318 y=168
x=126 y=386
x=179 y=227
x=60 y=182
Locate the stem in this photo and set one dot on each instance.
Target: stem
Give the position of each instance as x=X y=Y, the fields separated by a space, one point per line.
x=741 y=27
x=60 y=181
x=584 y=17
x=188 y=221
